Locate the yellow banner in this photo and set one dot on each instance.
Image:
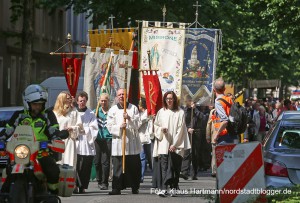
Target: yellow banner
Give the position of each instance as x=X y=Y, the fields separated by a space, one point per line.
x=229 y=89
x=121 y=39
x=240 y=99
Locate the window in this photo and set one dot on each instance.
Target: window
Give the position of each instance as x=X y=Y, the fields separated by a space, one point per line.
x=288 y=139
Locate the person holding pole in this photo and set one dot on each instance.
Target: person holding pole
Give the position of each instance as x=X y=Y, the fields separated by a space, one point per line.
x=118 y=121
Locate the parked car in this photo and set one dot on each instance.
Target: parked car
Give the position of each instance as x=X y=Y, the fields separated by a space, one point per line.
x=281 y=151
x=5 y=115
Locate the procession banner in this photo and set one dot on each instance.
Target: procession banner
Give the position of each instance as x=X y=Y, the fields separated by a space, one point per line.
x=153 y=93
x=199 y=67
x=166 y=46
x=104 y=72
x=102 y=67
x=118 y=71
x=72 y=68
x=120 y=38
x=134 y=91
x=93 y=71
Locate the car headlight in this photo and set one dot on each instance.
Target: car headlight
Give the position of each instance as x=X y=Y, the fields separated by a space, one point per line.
x=22 y=151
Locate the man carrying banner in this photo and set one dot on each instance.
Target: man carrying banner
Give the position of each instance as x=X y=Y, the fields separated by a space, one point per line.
x=115 y=124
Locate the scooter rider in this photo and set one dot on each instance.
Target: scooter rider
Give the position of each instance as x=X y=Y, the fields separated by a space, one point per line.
x=45 y=127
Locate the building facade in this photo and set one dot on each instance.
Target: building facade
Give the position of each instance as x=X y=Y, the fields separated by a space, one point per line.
x=50 y=33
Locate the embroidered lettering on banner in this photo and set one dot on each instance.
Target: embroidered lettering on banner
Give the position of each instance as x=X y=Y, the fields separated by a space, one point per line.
x=151 y=93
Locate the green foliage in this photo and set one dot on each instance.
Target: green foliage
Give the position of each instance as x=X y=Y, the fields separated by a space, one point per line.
x=16 y=9
x=292 y=197
x=261 y=38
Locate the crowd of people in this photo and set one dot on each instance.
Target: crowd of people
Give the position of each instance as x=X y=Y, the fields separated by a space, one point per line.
x=177 y=142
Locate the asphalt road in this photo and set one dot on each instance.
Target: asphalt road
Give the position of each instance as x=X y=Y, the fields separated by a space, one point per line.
x=189 y=192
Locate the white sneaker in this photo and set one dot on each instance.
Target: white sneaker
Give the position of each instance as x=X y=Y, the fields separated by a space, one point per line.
x=162 y=193
x=173 y=193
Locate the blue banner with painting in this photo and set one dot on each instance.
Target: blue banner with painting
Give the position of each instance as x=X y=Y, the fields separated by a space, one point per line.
x=199 y=65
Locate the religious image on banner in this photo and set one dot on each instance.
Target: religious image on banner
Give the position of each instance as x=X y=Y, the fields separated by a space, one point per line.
x=90 y=74
x=199 y=64
x=72 y=68
x=166 y=46
x=102 y=68
x=96 y=67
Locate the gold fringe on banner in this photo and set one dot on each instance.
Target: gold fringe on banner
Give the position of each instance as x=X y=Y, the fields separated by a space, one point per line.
x=103 y=49
x=109 y=31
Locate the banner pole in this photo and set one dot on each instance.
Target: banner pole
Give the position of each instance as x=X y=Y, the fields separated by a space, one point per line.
x=125 y=108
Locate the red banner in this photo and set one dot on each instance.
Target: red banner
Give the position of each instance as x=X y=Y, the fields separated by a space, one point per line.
x=72 y=68
x=134 y=92
x=153 y=92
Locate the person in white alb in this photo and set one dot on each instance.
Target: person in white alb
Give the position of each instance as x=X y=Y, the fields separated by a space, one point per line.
x=146 y=135
x=171 y=139
x=85 y=143
x=68 y=119
x=115 y=125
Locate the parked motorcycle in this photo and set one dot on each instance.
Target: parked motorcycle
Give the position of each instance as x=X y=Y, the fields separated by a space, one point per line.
x=27 y=182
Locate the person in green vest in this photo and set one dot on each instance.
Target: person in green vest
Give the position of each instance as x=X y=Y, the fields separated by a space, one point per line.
x=45 y=128
x=103 y=144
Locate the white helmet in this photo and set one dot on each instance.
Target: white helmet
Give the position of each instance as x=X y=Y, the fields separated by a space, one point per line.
x=34 y=93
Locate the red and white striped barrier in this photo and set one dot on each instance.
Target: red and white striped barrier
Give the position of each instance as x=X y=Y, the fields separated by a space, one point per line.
x=240 y=172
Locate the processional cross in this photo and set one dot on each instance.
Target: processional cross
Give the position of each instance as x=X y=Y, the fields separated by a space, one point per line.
x=196 y=5
x=70 y=74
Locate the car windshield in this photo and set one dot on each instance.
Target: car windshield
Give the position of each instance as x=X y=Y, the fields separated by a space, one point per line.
x=288 y=137
x=5 y=116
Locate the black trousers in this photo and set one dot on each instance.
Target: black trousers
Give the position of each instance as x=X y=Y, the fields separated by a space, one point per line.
x=156 y=174
x=50 y=169
x=84 y=169
x=199 y=155
x=205 y=151
x=102 y=160
x=202 y=151
x=131 y=177
x=170 y=169
x=186 y=162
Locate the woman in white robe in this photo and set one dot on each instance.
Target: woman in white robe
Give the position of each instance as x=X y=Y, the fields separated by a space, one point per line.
x=69 y=119
x=171 y=139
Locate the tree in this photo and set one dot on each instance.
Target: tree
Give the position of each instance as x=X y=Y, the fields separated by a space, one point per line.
x=24 y=9
x=260 y=38
x=255 y=46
